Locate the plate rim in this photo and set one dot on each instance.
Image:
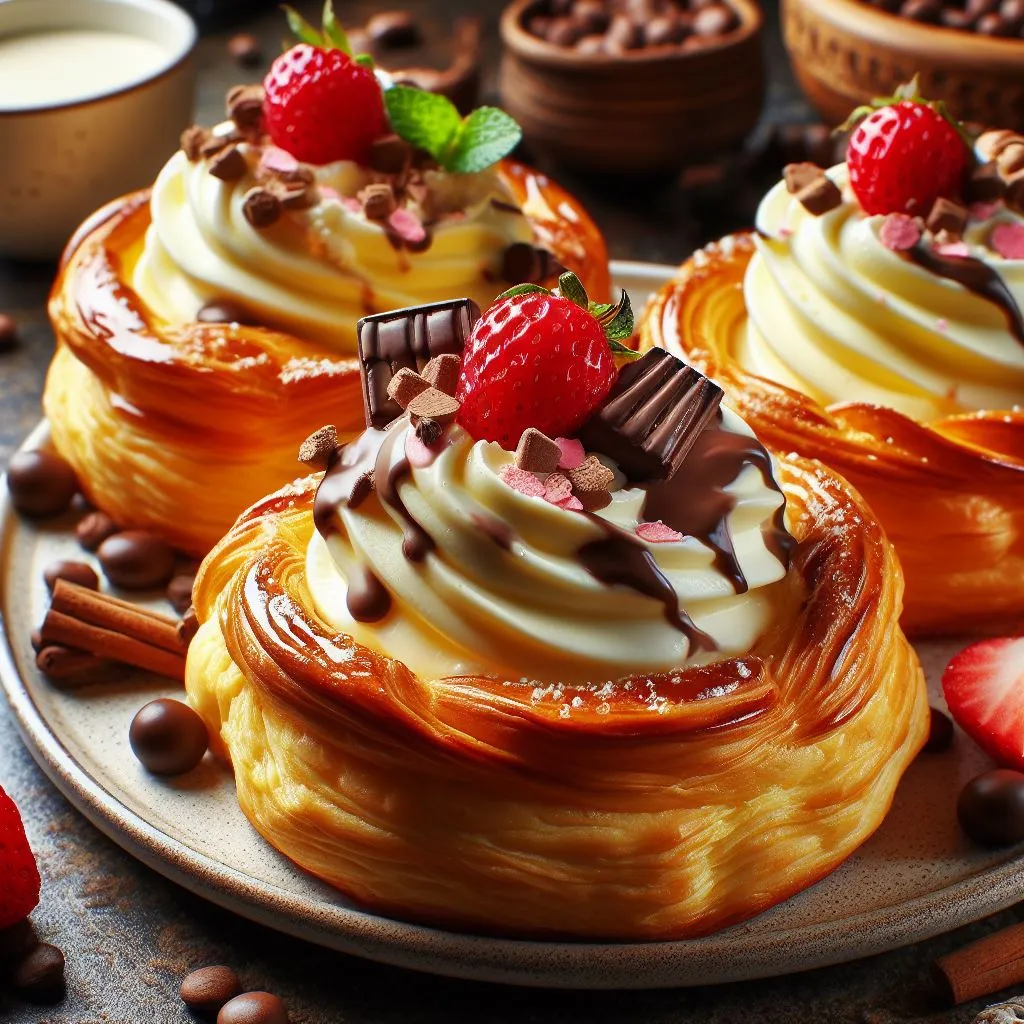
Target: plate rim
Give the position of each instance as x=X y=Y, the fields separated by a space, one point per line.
x=541 y=964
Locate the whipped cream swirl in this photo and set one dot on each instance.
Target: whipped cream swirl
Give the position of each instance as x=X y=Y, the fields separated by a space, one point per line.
x=317 y=271
x=454 y=572
x=837 y=315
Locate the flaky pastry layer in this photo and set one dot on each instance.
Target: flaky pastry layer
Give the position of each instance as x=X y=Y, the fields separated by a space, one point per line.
x=177 y=427
x=950 y=493
x=651 y=807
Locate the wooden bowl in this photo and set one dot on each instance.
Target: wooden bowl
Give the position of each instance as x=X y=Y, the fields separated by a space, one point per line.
x=845 y=53
x=649 y=110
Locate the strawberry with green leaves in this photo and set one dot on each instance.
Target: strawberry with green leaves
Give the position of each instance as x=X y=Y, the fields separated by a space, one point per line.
x=19 y=876
x=324 y=103
x=537 y=359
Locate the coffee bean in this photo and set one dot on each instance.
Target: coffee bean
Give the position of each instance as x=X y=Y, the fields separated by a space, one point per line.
x=39 y=976
x=94 y=528
x=74 y=572
x=563 y=32
x=927 y=11
x=16 y=942
x=41 y=484
x=391 y=30
x=254 y=1008
x=623 y=34
x=940 y=733
x=209 y=988
x=993 y=25
x=224 y=311
x=591 y=15
x=991 y=808
x=8 y=332
x=664 y=30
x=977 y=8
x=179 y=592
x=715 y=20
x=168 y=737
x=136 y=560
x=1012 y=11
x=952 y=17
x=590 y=46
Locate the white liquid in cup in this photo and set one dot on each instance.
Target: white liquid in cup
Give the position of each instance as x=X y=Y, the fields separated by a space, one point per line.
x=47 y=68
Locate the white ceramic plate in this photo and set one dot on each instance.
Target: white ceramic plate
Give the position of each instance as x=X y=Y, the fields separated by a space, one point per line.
x=917 y=876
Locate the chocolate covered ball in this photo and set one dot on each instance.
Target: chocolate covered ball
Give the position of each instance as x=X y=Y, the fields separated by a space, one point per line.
x=41 y=484
x=168 y=737
x=254 y=1008
x=991 y=808
x=136 y=560
x=209 y=988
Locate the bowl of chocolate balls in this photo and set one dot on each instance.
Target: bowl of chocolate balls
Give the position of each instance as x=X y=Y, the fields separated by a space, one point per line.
x=632 y=86
x=969 y=53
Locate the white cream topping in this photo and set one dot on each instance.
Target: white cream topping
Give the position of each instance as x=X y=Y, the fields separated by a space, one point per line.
x=534 y=611
x=317 y=271
x=837 y=315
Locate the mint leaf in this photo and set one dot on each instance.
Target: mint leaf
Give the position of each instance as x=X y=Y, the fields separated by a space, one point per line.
x=619 y=350
x=301 y=29
x=522 y=289
x=425 y=119
x=622 y=323
x=571 y=288
x=487 y=135
x=333 y=32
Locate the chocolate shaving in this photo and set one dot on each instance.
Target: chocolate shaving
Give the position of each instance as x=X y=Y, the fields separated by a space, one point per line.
x=656 y=410
x=317 y=449
x=407 y=338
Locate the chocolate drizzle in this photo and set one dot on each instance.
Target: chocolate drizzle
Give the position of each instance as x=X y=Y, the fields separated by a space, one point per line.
x=368 y=599
x=388 y=474
x=976 y=276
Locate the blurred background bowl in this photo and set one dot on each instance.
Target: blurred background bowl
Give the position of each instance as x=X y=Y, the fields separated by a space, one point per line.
x=845 y=53
x=62 y=161
x=639 y=112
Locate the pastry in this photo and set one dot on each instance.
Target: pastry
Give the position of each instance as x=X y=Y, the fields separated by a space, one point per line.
x=192 y=316
x=874 y=321
x=568 y=661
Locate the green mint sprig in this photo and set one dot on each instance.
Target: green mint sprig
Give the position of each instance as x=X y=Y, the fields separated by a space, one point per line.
x=460 y=145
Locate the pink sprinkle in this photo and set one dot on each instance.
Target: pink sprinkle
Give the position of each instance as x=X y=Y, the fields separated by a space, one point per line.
x=522 y=481
x=407 y=226
x=352 y=205
x=953 y=249
x=571 y=504
x=942 y=324
x=276 y=159
x=418 y=454
x=572 y=453
x=657 y=533
x=557 y=488
x=327 y=192
x=1008 y=241
x=899 y=232
x=983 y=211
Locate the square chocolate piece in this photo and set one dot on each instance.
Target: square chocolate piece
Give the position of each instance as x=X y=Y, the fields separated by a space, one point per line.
x=407 y=339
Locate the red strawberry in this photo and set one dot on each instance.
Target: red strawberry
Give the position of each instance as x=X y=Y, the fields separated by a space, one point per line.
x=322 y=106
x=534 y=360
x=984 y=687
x=904 y=156
x=19 y=876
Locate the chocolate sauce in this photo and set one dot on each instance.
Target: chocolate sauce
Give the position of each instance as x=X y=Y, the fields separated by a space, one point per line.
x=416 y=542
x=976 y=276
x=368 y=599
x=496 y=530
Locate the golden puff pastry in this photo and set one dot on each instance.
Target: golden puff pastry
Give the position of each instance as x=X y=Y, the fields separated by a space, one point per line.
x=174 y=424
x=948 y=487
x=651 y=805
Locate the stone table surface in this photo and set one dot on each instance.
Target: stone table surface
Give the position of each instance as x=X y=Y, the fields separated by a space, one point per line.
x=130 y=935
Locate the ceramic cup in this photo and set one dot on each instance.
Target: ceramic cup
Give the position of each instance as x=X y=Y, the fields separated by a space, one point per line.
x=65 y=156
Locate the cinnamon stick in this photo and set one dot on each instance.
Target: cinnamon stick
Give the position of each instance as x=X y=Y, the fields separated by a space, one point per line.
x=982 y=968
x=63 y=630
x=113 y=614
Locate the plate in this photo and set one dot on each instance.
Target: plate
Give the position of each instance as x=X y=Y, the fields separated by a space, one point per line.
x=915 y=878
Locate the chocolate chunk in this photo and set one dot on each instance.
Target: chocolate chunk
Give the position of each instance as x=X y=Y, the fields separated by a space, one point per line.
x=192 y=141
x=389 y=155
x=407 y=338
x=261 y=208
x=940 y=733
x=39 y=976
x=405 y=386
x=214 y=143
x=991 y=808
x=537 y=453
x=244 y=48
x=74 y=572
x=820 y=196
x=947 y=216
x=245 y=107
x=254 y=1008
x=8 y=332
x=209 y=988
x=41 y=484
x=136 y=560
x=985 y=184
x=656 y=410
x=591 y=481
x=392 y=30
x=224 y=311
x=228 y=164
x=318 y=448
x=295 y=197
x=179 y=592
x=94 y=528
x=378 y=201
x=434 y=404
x=168 y=737
x=442 y=372
x=799 y=176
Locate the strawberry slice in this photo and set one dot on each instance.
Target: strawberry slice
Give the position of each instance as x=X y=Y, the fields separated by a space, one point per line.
x=19 y=876
x=984 y=688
